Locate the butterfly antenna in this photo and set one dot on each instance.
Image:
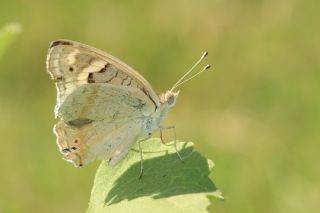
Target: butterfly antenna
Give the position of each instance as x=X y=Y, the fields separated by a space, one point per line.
x=182 y=79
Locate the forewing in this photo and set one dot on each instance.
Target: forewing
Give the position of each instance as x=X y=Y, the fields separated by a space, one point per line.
x=72 y=64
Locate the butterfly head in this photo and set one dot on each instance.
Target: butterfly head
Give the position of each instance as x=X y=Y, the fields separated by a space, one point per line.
x=169 y=97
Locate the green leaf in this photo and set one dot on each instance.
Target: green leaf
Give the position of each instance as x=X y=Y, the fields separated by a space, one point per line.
x=7 y=35
x=168 y=184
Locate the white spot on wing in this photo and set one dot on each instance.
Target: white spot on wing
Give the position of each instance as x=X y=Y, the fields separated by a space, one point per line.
x=98 y=63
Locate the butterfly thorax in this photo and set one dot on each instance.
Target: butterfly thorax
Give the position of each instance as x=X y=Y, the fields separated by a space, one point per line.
x=167 y=101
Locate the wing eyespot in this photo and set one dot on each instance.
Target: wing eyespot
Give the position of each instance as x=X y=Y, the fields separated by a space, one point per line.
x=66 y=150
x=74 y=148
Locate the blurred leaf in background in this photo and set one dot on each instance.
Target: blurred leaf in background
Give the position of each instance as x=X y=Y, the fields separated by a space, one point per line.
x=7 y=34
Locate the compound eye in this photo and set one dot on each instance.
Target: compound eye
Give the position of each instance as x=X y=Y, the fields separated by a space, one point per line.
x=170 y=100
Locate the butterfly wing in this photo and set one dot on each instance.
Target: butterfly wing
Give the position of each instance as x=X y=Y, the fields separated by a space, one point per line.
x=101 y=121
x=96 y=102
x=103 y=140
x=101 y=103
x=72 y=64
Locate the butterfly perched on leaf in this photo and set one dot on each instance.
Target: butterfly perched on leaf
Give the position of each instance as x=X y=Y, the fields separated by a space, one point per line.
x=103 y=105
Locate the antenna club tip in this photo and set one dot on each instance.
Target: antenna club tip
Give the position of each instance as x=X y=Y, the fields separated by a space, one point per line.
x=208 y=66
x=204 y=54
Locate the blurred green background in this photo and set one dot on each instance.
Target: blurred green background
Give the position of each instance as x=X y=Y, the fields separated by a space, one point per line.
x=256 y=114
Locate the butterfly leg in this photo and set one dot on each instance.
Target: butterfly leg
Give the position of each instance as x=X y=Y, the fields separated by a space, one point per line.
x=141 y=156
x=174 y=136
x=161 y=128
x=161 y=138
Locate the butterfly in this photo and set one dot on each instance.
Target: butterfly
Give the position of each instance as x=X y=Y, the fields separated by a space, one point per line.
x=103 y=105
